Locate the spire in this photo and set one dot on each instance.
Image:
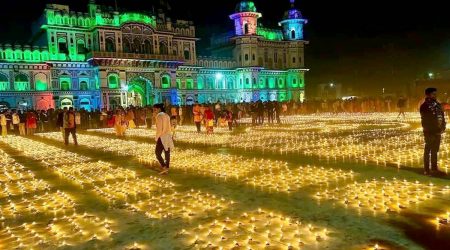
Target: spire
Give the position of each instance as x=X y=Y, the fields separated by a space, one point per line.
x=292 y=3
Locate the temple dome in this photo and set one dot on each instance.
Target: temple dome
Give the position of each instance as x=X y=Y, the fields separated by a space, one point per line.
x=293 y=14
x=246 y=6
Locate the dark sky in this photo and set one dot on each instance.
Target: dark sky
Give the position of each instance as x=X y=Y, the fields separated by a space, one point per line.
x=366 y=45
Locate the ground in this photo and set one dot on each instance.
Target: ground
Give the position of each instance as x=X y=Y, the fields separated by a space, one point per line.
x=313 y=182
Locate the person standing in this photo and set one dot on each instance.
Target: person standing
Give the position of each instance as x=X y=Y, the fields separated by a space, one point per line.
x=217 y=112
x=277 y=108
x=70 y=127
x=129 y=117
x=31 y=123
x=180 y=115
x=229 y=118
x=433 y=124
x=60 y=121
x=209 y=120
x=163 y=138
x=401 y=105
x=23 y=121
x=118 y=122
x=15 y=122
x=4 y=124
x=197 y=116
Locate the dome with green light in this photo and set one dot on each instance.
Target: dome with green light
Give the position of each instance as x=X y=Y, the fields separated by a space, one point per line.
x=246 y=6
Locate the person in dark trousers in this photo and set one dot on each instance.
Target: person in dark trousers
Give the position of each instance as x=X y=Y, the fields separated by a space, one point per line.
x=433 y=124
x=196 y=110
x=60 y=121
x=278 y=112
x=163 y=138
x=269 y=108
x=401 y=105
x=70 y=127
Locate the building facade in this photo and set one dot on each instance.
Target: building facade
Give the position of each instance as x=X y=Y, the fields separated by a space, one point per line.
x=105 y=59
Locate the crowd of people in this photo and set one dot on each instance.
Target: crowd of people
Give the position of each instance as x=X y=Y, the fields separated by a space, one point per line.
x=167 y=118
x=209 y=116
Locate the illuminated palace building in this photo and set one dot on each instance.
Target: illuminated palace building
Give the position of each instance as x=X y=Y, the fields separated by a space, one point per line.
x=105 y=59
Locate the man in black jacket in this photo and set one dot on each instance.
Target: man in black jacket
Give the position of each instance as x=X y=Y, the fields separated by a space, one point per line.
x=433 y=123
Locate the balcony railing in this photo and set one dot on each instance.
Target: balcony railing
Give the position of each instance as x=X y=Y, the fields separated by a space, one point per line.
x=122 y=55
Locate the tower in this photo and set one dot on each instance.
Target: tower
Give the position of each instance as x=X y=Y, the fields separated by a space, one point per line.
x=293 y=23
x=245 y=19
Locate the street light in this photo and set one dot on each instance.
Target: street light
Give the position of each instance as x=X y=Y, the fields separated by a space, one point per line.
x=331 y=84
x=431 y=75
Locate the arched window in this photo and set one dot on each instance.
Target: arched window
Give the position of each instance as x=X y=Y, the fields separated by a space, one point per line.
x=163 y=50
x=200 y=83
x=293 y=60
x=136 y=46
x=272 y=82
x=262 y=83
x=246 y=31
x=294 y=82
x=40 y=82
x=280 y=83
x=210 y=83
x=110 y=45
x=254 y=83
x=65 y=84
x=84 y=85
x=126 y=46
x=113 y=81
x=27 y=55
x=36 y=55
x=18 y=55
x=292 y=34
x=81 y=48
x=247 y=82
x=165 y=81
x=62 y=46
x=21 y=82
x=4 y=83
x=246 y=57
x=148 y=47
x=187 y=54
x=189 y=84
x=230 y=83
x=58 y=19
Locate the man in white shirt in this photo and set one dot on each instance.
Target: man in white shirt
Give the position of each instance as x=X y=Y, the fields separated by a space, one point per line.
x=163 y=138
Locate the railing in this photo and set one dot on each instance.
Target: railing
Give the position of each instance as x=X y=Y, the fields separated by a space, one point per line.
x=122 y=55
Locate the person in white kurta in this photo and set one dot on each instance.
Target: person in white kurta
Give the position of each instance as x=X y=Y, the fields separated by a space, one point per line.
x=163 y=138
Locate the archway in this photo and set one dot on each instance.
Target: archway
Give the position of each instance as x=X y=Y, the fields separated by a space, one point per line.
x=139 y=92
x=66 y=103
x=42 y=104
x=85 y=104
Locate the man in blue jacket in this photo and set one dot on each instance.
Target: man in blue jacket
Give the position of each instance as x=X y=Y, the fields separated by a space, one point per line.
x=433 y=124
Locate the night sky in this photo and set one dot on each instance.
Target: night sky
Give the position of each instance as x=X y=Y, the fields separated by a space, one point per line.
x=365 y=45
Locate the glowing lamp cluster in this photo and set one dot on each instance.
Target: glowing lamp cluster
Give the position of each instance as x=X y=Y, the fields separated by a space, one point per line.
x=383 y=195
x=258 y=229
